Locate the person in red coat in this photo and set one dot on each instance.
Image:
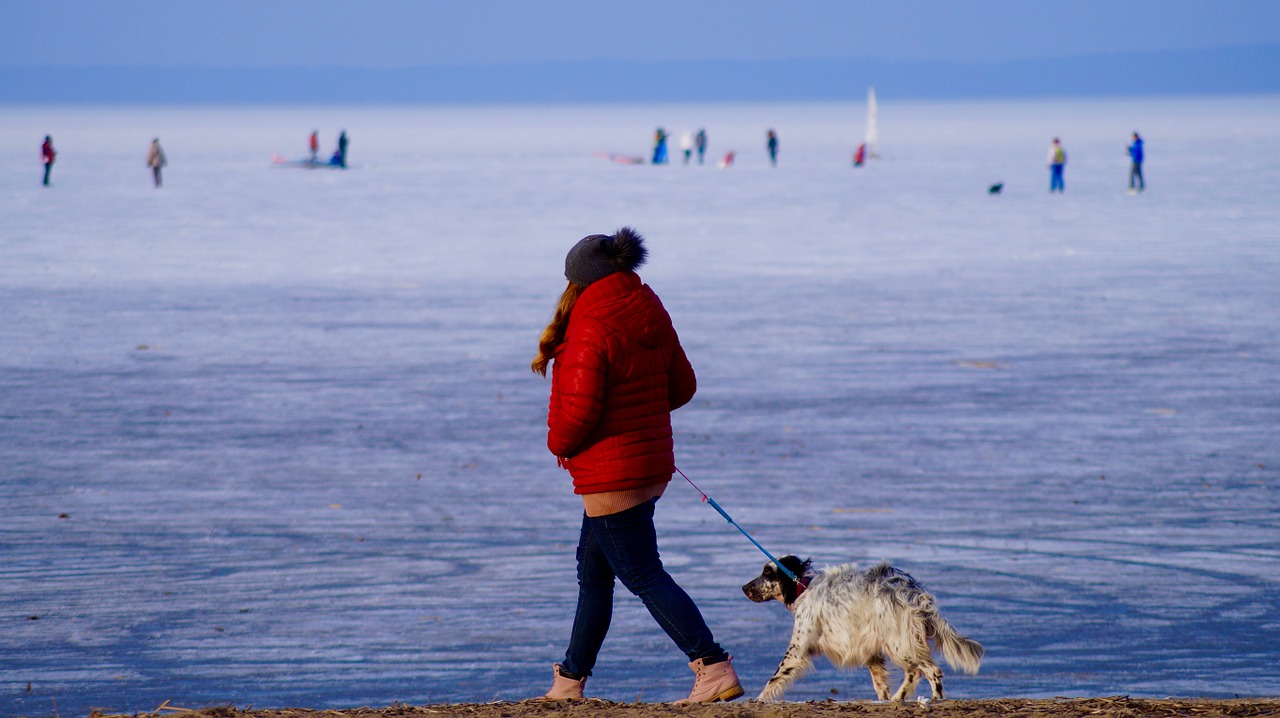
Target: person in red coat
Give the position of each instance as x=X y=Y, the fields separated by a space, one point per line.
x=617 y=373
x=47 y=155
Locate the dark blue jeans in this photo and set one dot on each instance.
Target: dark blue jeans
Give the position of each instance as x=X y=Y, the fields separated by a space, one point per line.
x=625 y=545
x=1055 y=178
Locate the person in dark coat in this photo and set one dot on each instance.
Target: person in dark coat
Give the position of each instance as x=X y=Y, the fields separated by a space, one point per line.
x=342 y=149
x=156 y=160
x=700 y=141
x=47 y=155
x=772 y=144
x=618 y=371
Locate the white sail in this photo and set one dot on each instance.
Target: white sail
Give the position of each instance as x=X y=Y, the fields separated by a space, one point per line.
x=872 y=139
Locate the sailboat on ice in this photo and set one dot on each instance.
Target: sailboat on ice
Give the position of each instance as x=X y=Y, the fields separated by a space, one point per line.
x=870 y=147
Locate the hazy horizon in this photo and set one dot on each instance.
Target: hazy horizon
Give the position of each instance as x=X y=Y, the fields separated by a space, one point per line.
x=70 y=51
x=1193 y=72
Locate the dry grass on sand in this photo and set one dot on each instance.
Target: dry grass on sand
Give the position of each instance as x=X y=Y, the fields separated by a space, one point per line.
x=1116 y=707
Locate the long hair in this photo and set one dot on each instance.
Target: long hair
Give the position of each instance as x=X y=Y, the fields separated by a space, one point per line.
x=553 y=335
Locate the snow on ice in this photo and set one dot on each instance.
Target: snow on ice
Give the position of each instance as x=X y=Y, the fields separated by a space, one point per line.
x=269 y=436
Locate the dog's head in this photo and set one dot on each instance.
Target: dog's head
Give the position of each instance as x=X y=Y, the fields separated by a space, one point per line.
x=773 y=584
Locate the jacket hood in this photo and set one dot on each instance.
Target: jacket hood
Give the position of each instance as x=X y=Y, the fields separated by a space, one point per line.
x=627 y=305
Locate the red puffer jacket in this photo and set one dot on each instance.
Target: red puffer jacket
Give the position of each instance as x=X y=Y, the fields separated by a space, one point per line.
x=614 y=382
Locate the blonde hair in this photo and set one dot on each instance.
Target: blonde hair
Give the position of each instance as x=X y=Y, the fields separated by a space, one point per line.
x=553 y=335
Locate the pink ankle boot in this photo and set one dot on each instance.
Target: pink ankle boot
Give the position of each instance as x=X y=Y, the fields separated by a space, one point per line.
x=716 y=682
x=564 y=688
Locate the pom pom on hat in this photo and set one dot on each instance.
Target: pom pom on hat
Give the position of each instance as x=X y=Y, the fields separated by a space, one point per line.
x=597 y=256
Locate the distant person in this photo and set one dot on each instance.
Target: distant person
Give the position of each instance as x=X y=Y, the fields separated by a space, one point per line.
x=1057 y=162
x=156 y=159
x=1136 y=184
x=728 y=160
x=686 y=146
x=660 y=147
x=700 y=141
x=860 y=155
x=772 y=144
x=342 y=149
x=47 y=154
x=315 y=144
x=617 y=372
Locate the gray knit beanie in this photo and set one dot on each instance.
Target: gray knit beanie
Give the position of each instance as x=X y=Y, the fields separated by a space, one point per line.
x=597 y=256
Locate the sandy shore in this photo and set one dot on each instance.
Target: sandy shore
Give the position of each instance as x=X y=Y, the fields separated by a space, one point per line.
x=1113 y=707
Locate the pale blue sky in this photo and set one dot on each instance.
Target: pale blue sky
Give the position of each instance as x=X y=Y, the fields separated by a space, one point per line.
x=407 y=33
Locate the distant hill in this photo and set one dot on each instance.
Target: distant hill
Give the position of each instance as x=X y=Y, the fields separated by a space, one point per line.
x=1231 y=70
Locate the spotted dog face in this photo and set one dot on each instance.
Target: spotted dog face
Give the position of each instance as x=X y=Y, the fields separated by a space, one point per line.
x=774 y=585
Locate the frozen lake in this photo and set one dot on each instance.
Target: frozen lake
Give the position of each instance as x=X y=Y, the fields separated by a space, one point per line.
x=269 y=436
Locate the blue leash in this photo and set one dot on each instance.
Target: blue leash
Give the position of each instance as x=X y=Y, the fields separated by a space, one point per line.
x=722 y=512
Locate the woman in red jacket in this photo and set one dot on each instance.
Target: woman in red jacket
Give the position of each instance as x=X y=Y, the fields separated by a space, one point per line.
x=618 y=371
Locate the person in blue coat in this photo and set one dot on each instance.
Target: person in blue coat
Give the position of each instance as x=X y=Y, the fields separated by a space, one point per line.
x=660 y=147
x=1136 y=184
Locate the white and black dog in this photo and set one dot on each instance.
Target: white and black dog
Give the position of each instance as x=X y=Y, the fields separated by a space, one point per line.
x=856 y=618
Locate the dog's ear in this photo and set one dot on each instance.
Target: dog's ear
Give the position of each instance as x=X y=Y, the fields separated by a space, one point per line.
x=795 y=565
x=790 y=588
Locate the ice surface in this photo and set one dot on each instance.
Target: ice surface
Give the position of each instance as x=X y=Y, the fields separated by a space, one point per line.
x=289 y=418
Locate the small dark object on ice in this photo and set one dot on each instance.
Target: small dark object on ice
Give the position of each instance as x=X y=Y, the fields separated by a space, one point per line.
x=995 y=188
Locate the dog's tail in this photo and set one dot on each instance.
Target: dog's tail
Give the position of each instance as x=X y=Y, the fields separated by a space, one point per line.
x=962 y=653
